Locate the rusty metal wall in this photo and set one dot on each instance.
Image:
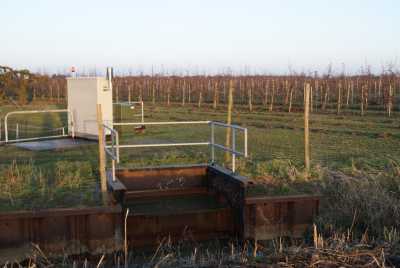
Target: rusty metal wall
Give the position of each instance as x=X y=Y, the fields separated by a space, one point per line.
x=73 y=230
x=231 y=213
x=163 y=177
x=201 y=225
x=271 y=217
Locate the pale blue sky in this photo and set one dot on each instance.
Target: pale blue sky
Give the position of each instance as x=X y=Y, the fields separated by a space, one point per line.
x=200 y=35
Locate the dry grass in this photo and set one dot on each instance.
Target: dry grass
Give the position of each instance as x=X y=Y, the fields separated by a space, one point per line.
x=366 y=202
x=337 y=250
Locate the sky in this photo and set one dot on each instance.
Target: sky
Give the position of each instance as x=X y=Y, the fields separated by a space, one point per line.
x=200 y=36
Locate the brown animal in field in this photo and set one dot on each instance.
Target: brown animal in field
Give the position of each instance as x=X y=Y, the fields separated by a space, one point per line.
x=140 y=129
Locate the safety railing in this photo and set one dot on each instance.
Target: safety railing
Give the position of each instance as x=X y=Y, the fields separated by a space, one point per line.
x=131 y=105
x=112 y=150
x=233 y=150
x=17 y=139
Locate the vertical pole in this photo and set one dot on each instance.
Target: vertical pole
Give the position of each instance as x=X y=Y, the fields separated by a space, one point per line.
x=233 y=149
x=102 y=155
x=113 y=169
x=306 y=128
x=17 y=131
x=362 y=100
x=212 y=143
x=72 y=124
x=229 y=120
x=389 y=105
x=142 y=112
x=6 y=127
x=245 y=142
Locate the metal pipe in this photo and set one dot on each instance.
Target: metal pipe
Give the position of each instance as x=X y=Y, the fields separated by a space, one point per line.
x=113 y=169
x=142 y=111
x=127 y=102
x=245 y=143
x=162 y=123
x=228 y=149
x=226 y=125
x=34 y=112
x=117 y=145
x=37 y=138
x=71 y=116
x=113 y=149
x=163 y=145
x=5 y=128
x=233 y=149
x=212 y=143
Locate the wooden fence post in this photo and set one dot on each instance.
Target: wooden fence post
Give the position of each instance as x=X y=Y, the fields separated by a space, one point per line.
x=102 y=156
x=229 y=121
x=306 y=129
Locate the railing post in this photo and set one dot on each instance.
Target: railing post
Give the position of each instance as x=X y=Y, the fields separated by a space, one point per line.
x=72 y=124
x=233 y=149
x=142 y=104
x=117 y=145
x=245 y=142
x=102 y=155
x=17 y=131
x=113 y=170
x=212 y=143
x=6 y=127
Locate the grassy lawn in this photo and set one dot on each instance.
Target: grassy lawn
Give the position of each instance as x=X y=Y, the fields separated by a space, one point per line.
x=69 y=177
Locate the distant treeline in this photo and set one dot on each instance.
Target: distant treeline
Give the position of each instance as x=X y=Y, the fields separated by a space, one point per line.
x=22 y=87
x=284 y=93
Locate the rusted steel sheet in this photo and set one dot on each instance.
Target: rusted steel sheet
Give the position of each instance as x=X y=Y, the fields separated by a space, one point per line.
x=178 y=202
x=162 y=177
x=159 y=194
x=73 y=230
x=145 y=230
x=231 y=188
x=270 y=217
x=174 y=203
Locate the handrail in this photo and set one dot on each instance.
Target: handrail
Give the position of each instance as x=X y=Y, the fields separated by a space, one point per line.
x=114 y=153
x=35 y=112
x=161 y=123
x=126 y=103
x=113 y=149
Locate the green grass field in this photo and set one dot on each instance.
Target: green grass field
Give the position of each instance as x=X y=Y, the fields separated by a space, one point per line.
x=348 y=143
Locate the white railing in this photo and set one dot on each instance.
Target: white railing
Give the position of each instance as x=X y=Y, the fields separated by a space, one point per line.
x=112 y=150
x=17 y=139
x=131 y=104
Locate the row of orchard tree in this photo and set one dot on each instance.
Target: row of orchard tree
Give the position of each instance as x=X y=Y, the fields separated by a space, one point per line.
x=22 y=87
x=273 y=93
x=329 y=93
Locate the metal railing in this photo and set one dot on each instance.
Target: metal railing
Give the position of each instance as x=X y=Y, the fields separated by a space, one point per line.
x=113 y=149
x=130 y=103
x=17 y=139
